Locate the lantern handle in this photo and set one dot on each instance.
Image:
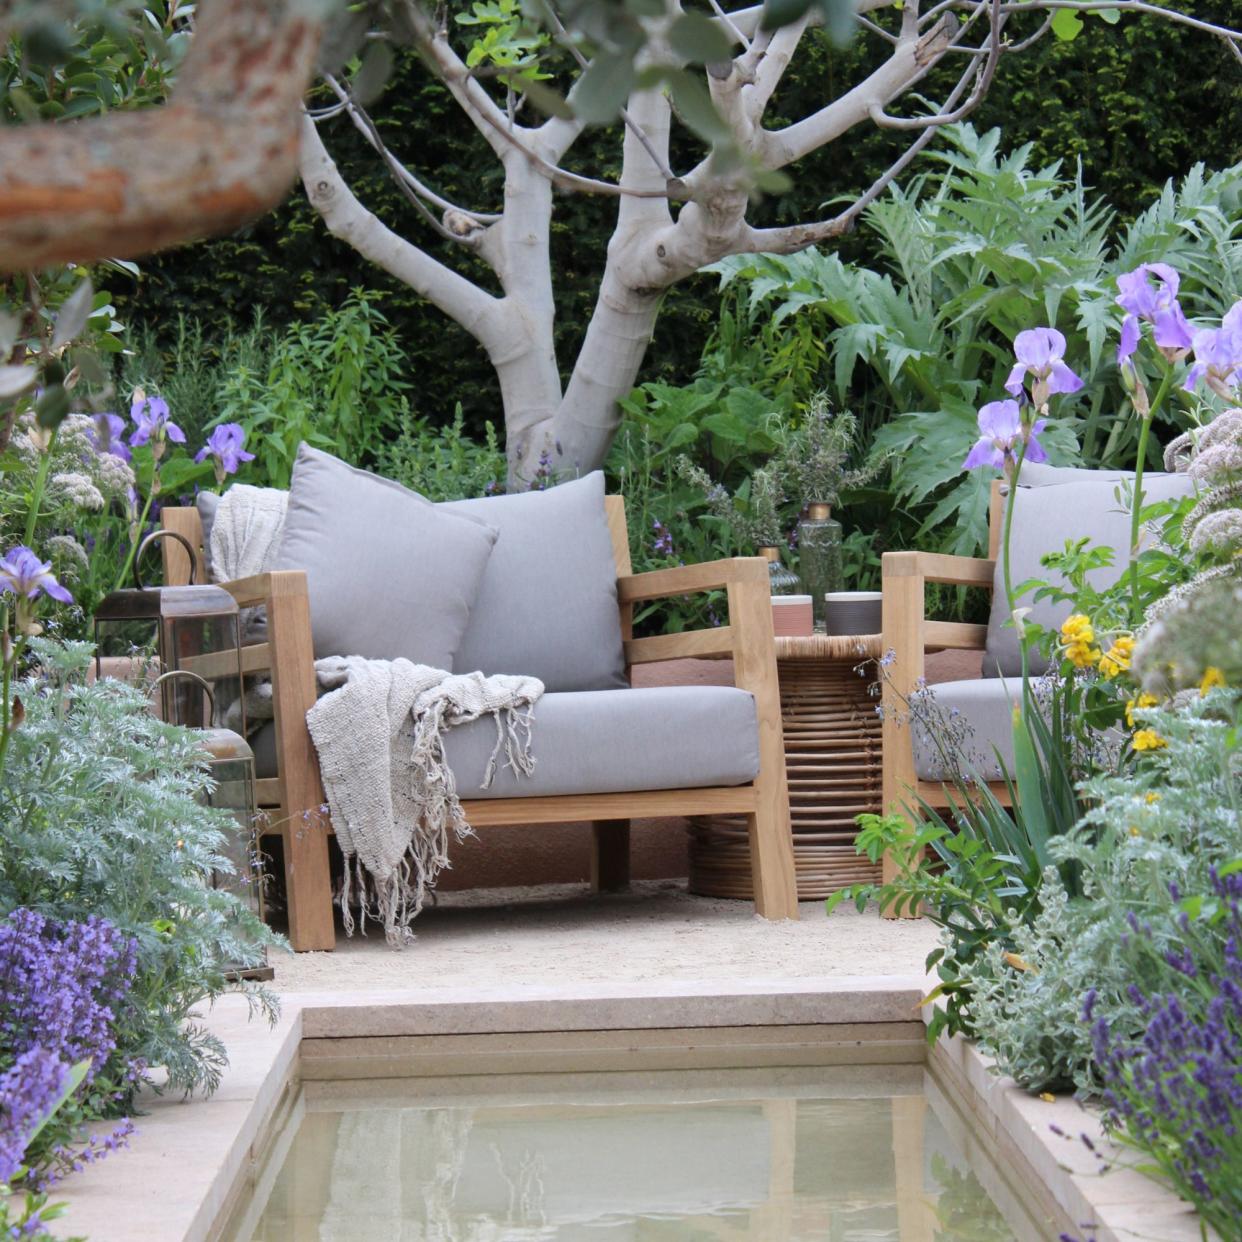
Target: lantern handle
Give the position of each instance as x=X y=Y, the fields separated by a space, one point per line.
x=203 y=684
x=154 y=537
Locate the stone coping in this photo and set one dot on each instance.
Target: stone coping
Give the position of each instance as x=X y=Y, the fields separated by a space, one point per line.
x=1100 y=1192
x=182 y=1175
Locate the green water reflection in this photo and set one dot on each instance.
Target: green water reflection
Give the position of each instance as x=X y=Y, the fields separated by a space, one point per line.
x=656 y=1165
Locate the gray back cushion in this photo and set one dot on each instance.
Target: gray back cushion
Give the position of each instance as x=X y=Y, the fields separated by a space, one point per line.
x=547 y=606
x=207 y=503
x=389 y=573
x=1045 y=516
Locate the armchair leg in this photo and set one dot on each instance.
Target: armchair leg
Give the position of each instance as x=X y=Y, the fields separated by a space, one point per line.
x=308 y=883
x=768 y=827
x=771 y=856
x=610 y=855
x=903 y=617
x=307 y=875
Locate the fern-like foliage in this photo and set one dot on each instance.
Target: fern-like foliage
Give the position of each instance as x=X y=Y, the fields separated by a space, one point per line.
x=973 y=253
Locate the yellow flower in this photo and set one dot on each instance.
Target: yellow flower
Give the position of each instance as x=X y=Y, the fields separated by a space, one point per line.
x=1212 y=677
x=1048 y=1097
x=1148 y=739
x=1117 y=658
x=1077 y=629
x=1134 y=830
x=1151 y=797
x=1143 y=700
x=1082 y=655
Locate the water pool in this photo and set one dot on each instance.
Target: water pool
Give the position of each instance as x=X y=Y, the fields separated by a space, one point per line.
x=869 y=1154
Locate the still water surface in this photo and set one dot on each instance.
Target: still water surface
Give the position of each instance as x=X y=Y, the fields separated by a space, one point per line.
x=833 y=1159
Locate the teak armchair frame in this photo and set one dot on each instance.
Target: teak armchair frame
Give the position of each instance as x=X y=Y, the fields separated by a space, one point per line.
x=294 y=798
x=909 y=636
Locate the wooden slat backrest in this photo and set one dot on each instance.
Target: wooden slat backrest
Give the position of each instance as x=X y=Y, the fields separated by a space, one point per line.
x=996 y=520
x=185 y=521
x=614 y=509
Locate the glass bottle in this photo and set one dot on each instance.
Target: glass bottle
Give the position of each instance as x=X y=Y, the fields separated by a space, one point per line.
x=819 y=556
x=783 y=579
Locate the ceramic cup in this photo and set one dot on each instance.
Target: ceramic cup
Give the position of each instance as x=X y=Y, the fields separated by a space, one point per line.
x=852 y=612
x=791 y=616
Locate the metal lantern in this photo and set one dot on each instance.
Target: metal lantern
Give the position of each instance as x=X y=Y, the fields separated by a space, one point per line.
x=232 y=770
x=194 y=629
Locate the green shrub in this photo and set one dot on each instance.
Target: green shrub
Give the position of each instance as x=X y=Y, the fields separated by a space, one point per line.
x=101 y=813
x=337 y=382
x=967 y=259
x=444 y=463
x=1149 y=838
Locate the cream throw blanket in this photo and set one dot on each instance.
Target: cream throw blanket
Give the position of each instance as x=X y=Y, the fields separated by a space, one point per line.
x=379 y=733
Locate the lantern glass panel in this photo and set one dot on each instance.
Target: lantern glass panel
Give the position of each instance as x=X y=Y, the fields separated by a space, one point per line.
x=232 y=770
x=194 y=629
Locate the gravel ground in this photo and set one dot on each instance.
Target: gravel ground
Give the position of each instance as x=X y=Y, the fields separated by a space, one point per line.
x=656 y=931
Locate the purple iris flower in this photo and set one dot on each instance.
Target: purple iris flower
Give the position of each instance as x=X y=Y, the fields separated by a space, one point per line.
x=1218 y=355
x=27 y=577
x=1000 y=433
x=150 y=415
x=1041 y=351
x=1156 y=303
x=106 y=436
x=225 y=444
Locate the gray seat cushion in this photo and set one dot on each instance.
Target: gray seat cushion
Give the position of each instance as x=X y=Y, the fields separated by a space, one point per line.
x=547 y=605
x=607 y=741
x=388 y=573
x=1046 y=515
x=965 y=723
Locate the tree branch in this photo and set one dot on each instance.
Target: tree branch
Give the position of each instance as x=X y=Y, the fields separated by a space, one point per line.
x=420 y=196
x=562 y=37
x=986 y=72
x=1232 y=37
x=798 y=236
x=771 y=67
x=476 y=310
x=908 y=63
x=488 y=117
x=222 y=151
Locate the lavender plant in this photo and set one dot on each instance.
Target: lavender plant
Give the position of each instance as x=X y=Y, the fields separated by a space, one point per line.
x=1173 y=1092
x=63 y=990
x=32 y=1092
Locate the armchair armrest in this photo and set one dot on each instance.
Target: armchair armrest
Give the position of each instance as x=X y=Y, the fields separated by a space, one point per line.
x=745 y=573
x=691 y=579
x=939 y=567
x=907 y=632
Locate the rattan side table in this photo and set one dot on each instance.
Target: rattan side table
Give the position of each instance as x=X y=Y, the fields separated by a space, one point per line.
x=834 y=763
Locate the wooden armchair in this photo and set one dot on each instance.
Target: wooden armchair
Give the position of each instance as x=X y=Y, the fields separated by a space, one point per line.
x=910 y=636
x=294 y=797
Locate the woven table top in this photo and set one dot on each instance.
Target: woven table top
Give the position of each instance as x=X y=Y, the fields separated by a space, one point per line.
x=828 y=647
